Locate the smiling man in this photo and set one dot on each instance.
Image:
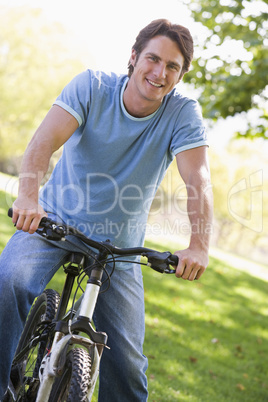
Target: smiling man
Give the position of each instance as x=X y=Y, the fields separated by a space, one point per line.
x=120 y=134
x=157 y=70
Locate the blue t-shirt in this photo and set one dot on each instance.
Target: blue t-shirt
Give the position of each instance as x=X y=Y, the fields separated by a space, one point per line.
x=111 y=167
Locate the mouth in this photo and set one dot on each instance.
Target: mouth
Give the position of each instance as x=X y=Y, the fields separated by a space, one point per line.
x=154 y=84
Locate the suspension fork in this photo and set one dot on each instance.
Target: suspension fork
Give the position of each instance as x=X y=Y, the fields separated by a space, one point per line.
x=93 y=286
x=62 y=341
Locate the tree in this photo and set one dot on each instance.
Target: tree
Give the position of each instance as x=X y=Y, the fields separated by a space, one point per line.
x=231 y=62
x=35 y=64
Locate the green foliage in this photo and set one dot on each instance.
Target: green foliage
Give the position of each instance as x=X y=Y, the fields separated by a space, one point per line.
x=35 y=64
x=240 y=183
x=239 y=177
x=231 y=63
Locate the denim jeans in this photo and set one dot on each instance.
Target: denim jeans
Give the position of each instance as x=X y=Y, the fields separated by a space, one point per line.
x=27 y=264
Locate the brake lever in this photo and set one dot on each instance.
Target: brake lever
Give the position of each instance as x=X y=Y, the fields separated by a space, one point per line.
x=51 y=231
x=48 y=228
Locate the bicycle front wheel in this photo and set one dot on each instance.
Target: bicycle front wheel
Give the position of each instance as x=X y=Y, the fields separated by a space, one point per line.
x=29 y=353
x=73 y=384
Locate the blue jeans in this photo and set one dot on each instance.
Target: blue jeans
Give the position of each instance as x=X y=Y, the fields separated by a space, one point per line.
x=27 y=264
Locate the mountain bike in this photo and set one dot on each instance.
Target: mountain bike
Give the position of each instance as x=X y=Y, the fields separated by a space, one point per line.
x=59 y=352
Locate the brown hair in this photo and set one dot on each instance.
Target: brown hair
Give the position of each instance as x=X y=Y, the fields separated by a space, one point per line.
x=177 y=33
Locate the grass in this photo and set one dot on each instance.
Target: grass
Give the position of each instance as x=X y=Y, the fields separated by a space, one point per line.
x=206 y=341
x=6 y=226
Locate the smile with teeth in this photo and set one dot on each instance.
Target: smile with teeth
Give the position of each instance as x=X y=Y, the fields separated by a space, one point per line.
x=154 y=84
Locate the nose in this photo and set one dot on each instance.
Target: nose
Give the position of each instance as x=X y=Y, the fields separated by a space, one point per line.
x=160 y=70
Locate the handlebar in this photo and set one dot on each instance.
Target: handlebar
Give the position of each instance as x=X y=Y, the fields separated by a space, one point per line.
x=159 y=261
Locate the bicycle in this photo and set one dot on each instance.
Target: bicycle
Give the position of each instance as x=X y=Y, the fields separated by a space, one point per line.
x=59 y=352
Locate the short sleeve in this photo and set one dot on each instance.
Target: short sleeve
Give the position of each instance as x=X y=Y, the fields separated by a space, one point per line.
x=189 y=131
x=75 y=97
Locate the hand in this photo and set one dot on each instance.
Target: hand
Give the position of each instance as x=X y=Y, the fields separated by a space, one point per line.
x=192 y=264
x=27 y=214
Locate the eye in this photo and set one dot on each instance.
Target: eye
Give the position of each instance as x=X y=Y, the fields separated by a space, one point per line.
x=173 y=67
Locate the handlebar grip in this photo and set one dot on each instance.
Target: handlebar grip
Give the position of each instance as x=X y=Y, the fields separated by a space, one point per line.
x=173 y=260
x=42 y=222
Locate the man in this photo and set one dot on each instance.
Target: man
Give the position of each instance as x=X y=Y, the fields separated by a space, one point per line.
x=120 y=135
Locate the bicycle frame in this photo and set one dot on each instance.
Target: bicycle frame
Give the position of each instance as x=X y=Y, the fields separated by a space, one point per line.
x=68 y=326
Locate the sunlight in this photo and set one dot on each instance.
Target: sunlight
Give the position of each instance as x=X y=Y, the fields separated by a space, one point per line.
x=101 y=28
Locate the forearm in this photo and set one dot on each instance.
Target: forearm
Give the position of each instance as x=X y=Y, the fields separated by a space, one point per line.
x=194 y=169
x=194 y=260
x=27 y=212
x=34 y=167
x=200 y=212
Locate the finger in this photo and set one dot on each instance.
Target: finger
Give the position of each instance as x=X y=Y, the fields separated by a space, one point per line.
x=27 y=223
x=180 y=268
x=193 y=275
x=15 y=216
x=180 y=271
x=199 y=273
x=187 y=272
x=189 y=266
x=34 y=224
x=20 y=221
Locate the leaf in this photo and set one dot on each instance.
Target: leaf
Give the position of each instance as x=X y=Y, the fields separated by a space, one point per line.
x=233 y=70
x=240 y=387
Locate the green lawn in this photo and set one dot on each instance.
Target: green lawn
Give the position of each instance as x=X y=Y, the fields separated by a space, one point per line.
x=206 y=341
x=6 y=226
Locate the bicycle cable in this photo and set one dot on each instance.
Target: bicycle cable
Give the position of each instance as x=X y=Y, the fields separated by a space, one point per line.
x=84 y=271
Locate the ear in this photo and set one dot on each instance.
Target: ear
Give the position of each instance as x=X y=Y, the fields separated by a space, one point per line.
x=180 y=78
x=133 y=57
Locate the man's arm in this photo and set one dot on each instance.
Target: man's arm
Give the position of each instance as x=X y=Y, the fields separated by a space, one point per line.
x=194 y=170
x=54 y=131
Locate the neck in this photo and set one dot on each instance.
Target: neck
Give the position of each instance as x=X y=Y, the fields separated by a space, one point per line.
x=137 y=106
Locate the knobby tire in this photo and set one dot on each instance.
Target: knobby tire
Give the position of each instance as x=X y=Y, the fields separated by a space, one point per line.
x=73 y=384
x=24 y=374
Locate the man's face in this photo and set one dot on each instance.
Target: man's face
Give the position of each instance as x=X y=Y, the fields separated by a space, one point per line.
x=156 y=71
